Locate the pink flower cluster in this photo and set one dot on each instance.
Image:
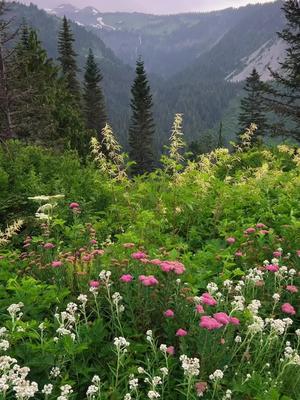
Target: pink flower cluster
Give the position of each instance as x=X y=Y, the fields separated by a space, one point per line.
x=148 y=280
x=217 y=321
x=207 y=299
x=172 y=266
x=126 y=278
x=287 y=308
x=272 y=268
x=139 y=255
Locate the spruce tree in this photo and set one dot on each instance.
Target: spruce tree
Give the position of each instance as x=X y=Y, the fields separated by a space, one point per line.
x=67 y=59
x=283 y=97
x=142 y=128
x=94 y=103
x=253 y=107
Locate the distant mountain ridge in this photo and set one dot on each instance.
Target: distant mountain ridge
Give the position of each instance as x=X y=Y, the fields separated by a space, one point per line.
x=171 y=43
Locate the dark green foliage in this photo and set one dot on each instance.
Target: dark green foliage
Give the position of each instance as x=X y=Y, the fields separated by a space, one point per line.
x=35 y=78
x=142 y=129
x=94 y=103
x=252 y=106
x=283 y=98
x=67 y=59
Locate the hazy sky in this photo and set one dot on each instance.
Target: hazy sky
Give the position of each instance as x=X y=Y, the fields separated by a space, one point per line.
x=149 y=6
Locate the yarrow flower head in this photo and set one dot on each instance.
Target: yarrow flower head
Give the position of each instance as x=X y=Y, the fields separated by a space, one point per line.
x=191 y=366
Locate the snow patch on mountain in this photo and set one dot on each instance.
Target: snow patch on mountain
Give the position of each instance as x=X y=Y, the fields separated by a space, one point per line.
x=269 y=55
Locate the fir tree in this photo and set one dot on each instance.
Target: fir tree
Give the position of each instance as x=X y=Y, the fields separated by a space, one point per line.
x=94 y=103
x=252 y=106
x=67 y=59
x=142 y=128
x=35 y=78
x=284 y=97
x=8 y=96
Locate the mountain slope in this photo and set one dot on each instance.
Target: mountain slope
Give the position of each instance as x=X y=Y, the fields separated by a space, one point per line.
x=172 y=43
x=117 y=75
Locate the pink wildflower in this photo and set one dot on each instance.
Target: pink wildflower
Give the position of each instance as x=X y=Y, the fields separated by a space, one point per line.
x=172 y=266
x=272 y=268
x=94 y=284
x=86 y=258
x=170 y=350
x=292 y=288
x=156 y=261
x=249 y=230
x=181 y=332
x=261 y=226
x=222 y=318
x=126 y=278
x=207 y=298
x=201 y=387
x=97 y=252
x=239 y=254
x=287 y=308
x=263 y=231
x=93 y=241
x=298 y=253
x=138 y=255
x=148 y=280
x=209 y=323
x=199 y=309
x=48 y=246
x=234 y=321
x=230 y=240
x=56 y=264
x=277 y=254
x=74 y=205
x=169 y=314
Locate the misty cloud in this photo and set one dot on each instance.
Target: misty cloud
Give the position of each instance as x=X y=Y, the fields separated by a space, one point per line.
x=153 y=6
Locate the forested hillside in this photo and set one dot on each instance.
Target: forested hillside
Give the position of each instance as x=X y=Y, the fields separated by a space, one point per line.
x=194 y=47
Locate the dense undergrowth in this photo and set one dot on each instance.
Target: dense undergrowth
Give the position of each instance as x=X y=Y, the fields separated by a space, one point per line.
x=168 y=286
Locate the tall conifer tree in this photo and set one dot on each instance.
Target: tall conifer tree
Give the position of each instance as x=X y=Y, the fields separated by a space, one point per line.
x=253 y=107
x=67 y=58
x=142 y=128
x=94 y=103
x=284 y=97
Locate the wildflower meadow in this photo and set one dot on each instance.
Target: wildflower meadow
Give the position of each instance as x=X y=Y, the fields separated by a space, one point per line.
x=181 y=284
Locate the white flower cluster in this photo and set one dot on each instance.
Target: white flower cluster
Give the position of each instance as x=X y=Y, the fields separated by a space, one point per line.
x=65 y=392
x=279 y=326
x=149 y=336
x=117 y=298
x=14 y=377
x=291 y=354
x=191 y=366
x=82 y=298
x=14 y=310
x=152 y=394
x=47 y=389
x=217 y=375
x=239 y=286
x=93 y=391
x=67 y=319
x=121 y=344
x=238 y=303
x=227 y=395
x=4 y=344
x=254 y=306
x=257 y=326
x=133 y=383
x=228 y=284
x=254 y=275
x=212 y=288
x=105 y=276
x=55 y=372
